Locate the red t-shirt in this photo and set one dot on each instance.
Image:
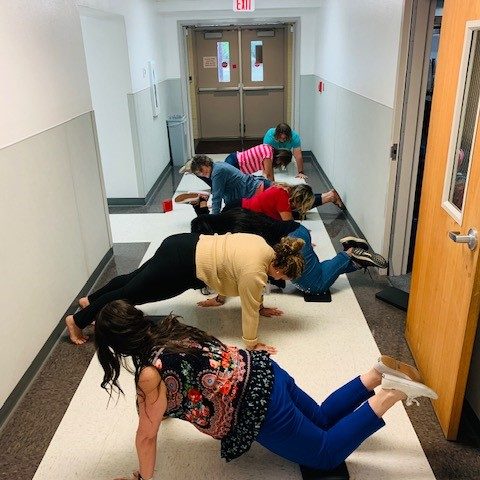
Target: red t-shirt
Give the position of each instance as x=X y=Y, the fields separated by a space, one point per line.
x=270 y=202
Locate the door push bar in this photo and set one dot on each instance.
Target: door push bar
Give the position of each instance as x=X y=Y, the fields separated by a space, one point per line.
x=220 y=89
x=268 y=87
x=236 y=89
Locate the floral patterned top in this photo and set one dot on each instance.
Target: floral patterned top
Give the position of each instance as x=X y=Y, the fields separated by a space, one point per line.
x=223 y=391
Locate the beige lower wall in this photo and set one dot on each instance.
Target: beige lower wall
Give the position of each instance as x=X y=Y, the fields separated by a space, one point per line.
x=55 y=231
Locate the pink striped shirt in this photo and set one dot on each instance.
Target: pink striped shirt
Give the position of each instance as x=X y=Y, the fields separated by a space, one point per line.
x=251 y=160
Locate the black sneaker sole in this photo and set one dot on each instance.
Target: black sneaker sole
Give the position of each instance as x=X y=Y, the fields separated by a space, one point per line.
x=367 y=259
x=355 y=242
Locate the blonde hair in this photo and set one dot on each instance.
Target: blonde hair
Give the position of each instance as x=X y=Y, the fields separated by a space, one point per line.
x=301 y=198
x=288 y=258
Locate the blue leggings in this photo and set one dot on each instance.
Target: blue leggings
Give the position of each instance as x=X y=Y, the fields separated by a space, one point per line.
x=317 y=436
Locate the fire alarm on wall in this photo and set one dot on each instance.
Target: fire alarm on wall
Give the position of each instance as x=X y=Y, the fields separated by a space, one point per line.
x=320 y=86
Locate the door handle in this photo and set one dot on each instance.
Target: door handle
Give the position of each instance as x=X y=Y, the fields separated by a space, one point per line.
x=470 y=238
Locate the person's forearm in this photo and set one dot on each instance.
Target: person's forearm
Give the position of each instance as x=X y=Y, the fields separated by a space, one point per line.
x=216 y=204
x=147 y=452
x=250 y=328
x=217 y=194
x=299 y=161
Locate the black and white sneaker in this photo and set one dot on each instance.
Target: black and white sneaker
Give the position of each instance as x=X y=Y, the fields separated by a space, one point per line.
x=354 y=242
x=368 y=259
x=206 y=291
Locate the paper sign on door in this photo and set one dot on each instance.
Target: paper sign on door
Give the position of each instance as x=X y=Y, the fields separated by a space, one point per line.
x=209 y=62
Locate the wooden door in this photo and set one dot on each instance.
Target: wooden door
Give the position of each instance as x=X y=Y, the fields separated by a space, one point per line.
x=217 y=73
x=264 y=72
x=445 y=291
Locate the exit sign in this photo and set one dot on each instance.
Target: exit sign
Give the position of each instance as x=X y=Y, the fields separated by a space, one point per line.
x=243 y=5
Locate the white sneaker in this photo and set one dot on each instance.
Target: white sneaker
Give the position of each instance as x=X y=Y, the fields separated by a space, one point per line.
x=386 y=364
x=410 y=388
x=186 y=168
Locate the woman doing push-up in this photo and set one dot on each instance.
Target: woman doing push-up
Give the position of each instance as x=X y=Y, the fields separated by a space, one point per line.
x=317 y=276
x=232 y=265
x=240 y=396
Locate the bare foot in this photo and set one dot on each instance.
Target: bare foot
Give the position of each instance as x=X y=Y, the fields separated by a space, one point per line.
x=75 y=333
x=83 y=302
x=332 y=197
x=337 y=200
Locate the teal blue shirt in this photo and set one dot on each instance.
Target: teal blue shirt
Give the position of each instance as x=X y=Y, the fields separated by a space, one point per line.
x=269 y=139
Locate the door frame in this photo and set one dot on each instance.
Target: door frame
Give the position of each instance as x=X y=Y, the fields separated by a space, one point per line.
x=412 y=77
x=182 y=26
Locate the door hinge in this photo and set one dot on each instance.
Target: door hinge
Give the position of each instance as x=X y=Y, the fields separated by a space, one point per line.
x=394 y=151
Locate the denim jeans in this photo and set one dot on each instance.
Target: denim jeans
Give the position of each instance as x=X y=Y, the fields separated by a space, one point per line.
x=318 y=277
x=233 y=160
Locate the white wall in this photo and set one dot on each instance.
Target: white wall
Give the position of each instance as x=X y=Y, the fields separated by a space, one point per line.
x=142 y=37
x=52 y=209
x=43 y=83
x=110 y=82
x=357 y=46
x=149 y=134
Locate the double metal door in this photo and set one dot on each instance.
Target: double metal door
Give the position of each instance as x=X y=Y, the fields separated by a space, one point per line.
x=240 y=78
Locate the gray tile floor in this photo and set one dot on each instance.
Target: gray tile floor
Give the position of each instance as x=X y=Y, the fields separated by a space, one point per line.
x=27 y=434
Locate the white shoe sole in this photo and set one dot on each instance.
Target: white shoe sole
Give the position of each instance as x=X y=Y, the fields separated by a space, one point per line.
x=348 y=242
x=411 y=389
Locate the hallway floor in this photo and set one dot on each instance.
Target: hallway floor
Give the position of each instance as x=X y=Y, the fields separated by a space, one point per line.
x=343 y=332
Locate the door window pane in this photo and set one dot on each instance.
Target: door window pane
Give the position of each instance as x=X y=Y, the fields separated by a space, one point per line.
x=256 y=56
x=467 y=127
x=223 y=56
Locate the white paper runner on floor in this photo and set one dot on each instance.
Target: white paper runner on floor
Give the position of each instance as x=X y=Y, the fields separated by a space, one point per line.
x=323 y=345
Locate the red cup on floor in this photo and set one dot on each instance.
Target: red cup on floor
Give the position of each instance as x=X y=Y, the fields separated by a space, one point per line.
x=167 y=205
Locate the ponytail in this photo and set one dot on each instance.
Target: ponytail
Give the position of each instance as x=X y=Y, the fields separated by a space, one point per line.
x=288 y=257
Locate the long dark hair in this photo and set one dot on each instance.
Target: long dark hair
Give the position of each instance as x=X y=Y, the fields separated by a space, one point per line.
x=281 y=157
x=241 y=220
x=122 y=331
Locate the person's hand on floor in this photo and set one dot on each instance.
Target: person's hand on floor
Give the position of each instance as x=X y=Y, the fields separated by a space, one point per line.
x=217 y=301
x=267 y=348
x=270 y=312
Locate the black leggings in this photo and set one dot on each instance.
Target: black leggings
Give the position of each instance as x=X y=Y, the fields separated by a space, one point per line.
x=170 y=272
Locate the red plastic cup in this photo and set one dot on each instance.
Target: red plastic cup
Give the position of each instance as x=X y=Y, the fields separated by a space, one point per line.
x=167 y=205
